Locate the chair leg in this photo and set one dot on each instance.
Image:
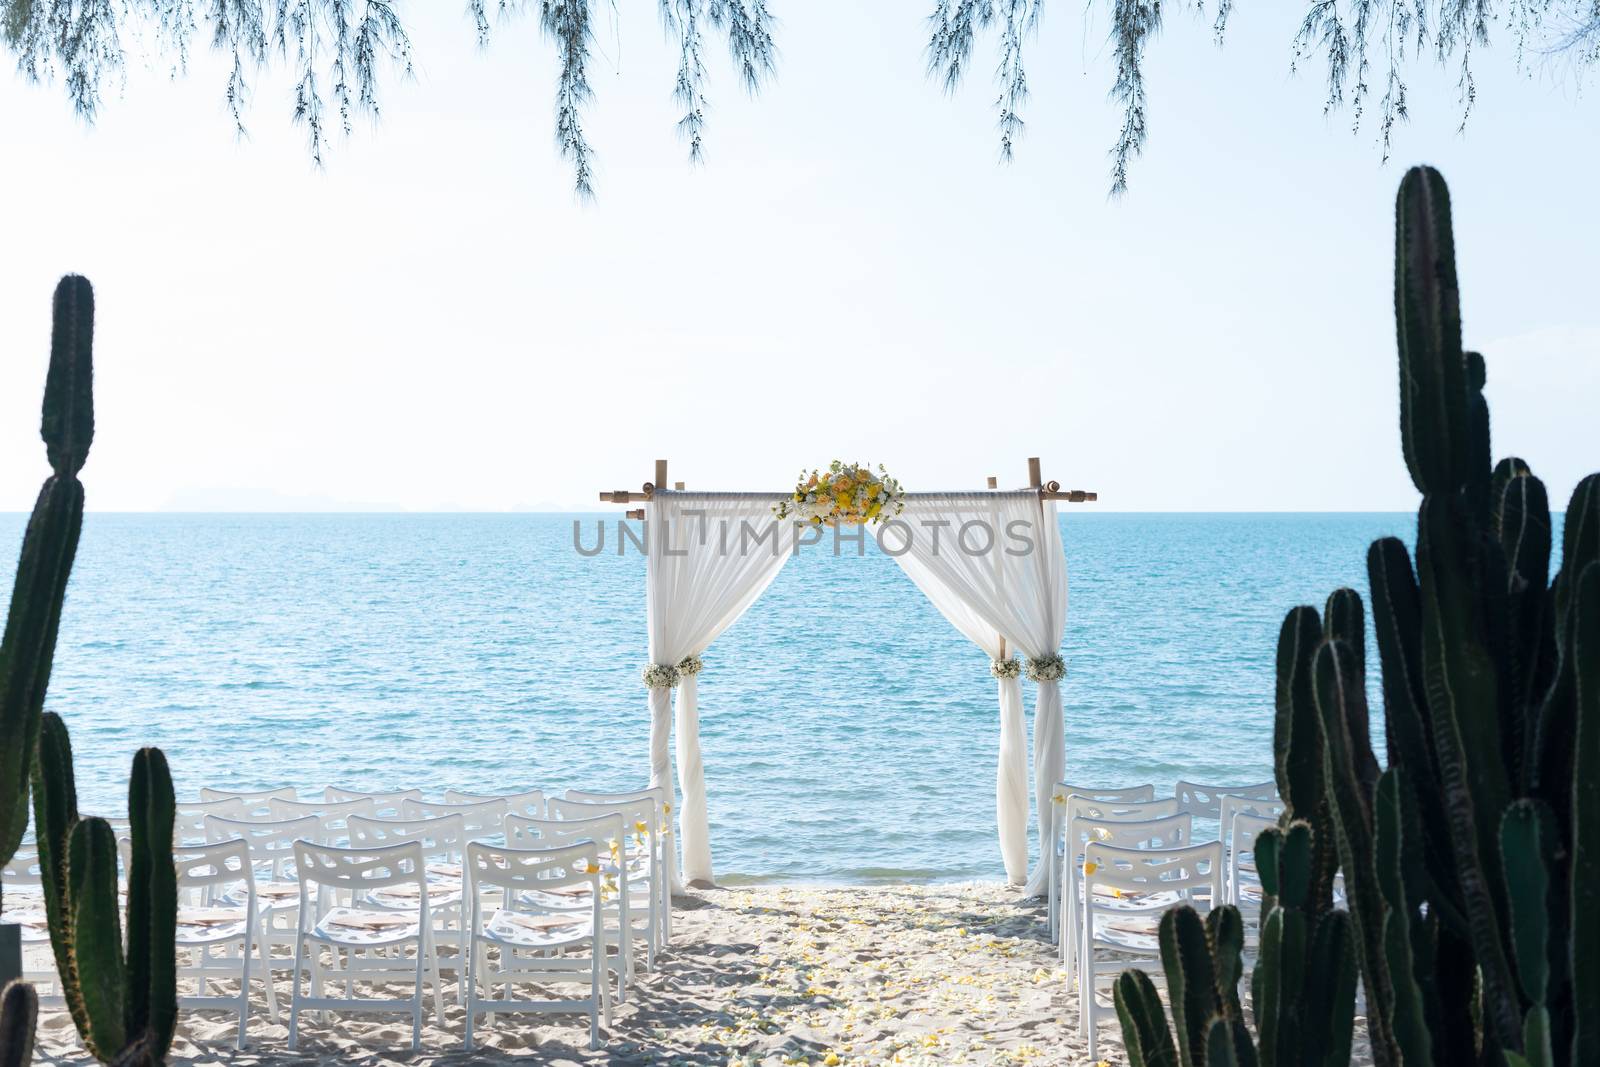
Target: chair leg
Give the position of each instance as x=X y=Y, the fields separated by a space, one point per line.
x=469 y=949
x=294 y=994
x=244 y=986
x=438 y=983
x=416 y=995
x=266 y=975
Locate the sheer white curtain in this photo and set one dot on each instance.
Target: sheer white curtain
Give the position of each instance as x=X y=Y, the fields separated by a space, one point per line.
x=992 y=562
x=708 y=557
x=983 y=628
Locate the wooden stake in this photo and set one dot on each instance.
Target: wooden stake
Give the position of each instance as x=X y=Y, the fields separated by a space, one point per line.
x=1035 y=479
x=678 y=486
x=661 y=474
x=994 y=483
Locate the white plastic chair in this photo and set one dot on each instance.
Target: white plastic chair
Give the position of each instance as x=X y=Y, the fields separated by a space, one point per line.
x=189 y=821
x=1205 y=801
x=24 y=905
x=366 y=944
x=443 y=840
x=529 y=803
x=254 y=800
x=386 y=802
x=218 y=912
x=620 y=890
x=332 y=815
x=1105 y=806
x=479 y=819
x=1057 y=851
x=535 y=943
x=271 y=844
x=1230 y=805
x=1125 y=892
x=1243 y=886
x=663 y=857
x=1151 y=824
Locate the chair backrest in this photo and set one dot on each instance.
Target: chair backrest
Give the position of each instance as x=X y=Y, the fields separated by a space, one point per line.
x=351 y=872
x=639 y=812
x=657 y=795
x=529 y=803
x=334 y=815
x=189 y=820
x=255 y=799
x=441 y=838
x=607 y=831
x=1082 y=811
x=1184 y=871
x=216 y=866
x=1205 y=801
x=1231 y=806
x=1133 y=794
x=271 y=843
x=478 y=819
x=386 y=800
x=517 y=870
x=1171 y=831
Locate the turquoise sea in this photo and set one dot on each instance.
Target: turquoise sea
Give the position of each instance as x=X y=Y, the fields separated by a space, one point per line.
x=849 y=731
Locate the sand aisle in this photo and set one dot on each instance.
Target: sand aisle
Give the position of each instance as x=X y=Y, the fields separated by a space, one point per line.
x=771 y=975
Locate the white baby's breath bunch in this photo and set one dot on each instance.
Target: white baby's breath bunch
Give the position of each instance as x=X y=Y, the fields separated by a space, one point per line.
x=1047 y=669
x=660 y=676
x=1005 y=668
x=849 y=493
x=690 y=665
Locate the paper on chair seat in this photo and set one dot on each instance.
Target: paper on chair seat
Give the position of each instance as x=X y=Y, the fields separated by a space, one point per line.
x=367 y=920
x=540 y=922
x=209 y=916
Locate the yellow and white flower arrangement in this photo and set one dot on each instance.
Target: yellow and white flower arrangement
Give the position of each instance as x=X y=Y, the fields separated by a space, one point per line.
x=849 y=493
x=1005 y=668
x=690 y=665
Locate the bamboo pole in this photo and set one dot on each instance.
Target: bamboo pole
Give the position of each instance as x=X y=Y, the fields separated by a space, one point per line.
x=1035 y=480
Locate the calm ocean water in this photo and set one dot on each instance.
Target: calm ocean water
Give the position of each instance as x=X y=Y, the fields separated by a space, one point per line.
x=849 y=731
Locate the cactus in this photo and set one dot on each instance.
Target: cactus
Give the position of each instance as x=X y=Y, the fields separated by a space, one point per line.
x=19 y=1010
x=123 y=1001
x=124 y=1004
x=48 y=548
x=1472 y=864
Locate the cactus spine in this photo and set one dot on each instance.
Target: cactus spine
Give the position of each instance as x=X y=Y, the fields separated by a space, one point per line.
x=1472 y=864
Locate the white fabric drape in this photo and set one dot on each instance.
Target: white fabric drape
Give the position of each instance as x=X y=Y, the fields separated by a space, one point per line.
x=992 y=564
x=982 y=629
x=708 y=557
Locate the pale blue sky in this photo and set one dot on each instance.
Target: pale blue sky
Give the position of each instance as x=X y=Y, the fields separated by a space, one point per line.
x=435 y=320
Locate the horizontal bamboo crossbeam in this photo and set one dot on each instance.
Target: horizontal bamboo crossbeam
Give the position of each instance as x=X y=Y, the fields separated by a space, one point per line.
x=1047 y=490
x=1069 y=496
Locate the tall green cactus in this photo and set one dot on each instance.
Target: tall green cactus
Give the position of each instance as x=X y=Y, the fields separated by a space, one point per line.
x=48 y=549
x=124 y=1004
x=1471 y=865
x=123 y=1001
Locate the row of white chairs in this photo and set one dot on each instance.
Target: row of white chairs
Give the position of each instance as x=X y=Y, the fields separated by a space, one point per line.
x=1121 y=857
x=361 y=889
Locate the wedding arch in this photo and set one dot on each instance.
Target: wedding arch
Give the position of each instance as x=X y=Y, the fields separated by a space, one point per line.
x=994 y=566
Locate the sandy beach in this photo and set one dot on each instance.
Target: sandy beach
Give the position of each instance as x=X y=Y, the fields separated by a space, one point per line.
x=771 y=975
